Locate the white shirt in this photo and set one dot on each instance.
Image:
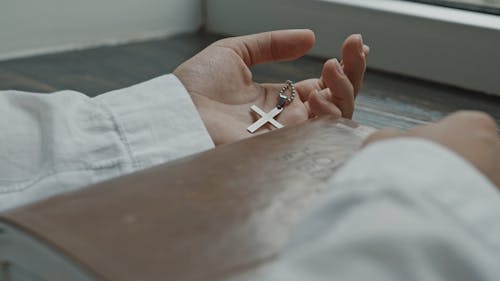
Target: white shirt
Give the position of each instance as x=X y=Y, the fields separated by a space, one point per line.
x=52 y=143
x=404 y=209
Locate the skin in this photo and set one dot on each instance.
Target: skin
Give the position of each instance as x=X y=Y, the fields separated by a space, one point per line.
x=471 y=134
x=220 y=82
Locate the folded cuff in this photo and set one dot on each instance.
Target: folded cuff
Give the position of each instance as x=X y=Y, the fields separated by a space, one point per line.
x=157 y=121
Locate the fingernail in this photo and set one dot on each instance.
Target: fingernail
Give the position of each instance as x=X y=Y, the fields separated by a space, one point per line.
x=360 y=37
x=366 y=49
x=323 y=94
x=338 y=67
x=361 y=45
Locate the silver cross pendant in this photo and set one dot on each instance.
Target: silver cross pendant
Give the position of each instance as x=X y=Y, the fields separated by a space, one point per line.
x=265 y=118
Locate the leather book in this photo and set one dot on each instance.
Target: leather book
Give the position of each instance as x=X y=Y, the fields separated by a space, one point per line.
x=206 y=217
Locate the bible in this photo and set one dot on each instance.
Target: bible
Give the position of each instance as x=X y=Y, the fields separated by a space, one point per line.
x=209 y=216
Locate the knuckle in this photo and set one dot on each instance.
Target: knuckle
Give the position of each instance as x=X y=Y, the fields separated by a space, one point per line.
x=229 y=43
x=489 y=140
x=224 y=41
x=486 y=120
x=478 y=119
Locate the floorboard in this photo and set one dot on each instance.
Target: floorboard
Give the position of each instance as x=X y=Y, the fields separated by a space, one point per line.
x=385 y=100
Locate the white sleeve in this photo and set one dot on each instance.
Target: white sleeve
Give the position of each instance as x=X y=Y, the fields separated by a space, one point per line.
x=404 y=209
x=51 y=143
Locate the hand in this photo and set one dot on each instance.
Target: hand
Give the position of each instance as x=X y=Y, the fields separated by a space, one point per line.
x=220 y=82
x=472 y=135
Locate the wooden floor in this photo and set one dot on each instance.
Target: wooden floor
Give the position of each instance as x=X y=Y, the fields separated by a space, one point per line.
x=385 y=100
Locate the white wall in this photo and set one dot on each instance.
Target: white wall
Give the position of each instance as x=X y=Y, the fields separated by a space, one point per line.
x=448 y=46
x=30 y=27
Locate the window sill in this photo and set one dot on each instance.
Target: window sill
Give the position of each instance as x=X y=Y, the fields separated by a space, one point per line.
x=443 y=45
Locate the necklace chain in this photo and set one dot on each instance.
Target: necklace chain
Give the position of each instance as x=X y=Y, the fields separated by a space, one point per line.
x=283 y=99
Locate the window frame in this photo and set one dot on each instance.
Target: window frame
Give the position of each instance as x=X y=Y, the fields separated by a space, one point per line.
x=482 y=8
x=445 y=45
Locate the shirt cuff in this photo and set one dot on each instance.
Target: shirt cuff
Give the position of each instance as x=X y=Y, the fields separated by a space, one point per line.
x=157 y=121
x=421 y=166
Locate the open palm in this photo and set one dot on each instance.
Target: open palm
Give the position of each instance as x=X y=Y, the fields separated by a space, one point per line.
x=221 y=86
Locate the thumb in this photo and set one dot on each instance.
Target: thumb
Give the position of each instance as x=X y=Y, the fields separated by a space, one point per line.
x=270 y=46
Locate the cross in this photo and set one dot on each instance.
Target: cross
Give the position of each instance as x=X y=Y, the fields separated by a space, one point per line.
x=265 y=118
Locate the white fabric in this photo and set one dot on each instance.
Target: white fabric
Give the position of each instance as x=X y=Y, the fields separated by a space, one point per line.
x=52 y=143
x=404 y=209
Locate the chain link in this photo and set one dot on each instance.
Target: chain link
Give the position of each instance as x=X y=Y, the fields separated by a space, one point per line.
x=283 y=99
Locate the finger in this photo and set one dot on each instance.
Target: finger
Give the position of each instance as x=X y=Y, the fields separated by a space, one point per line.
x=307 y=87
x=383 y=135
x=341 y=89
x=320 y=104
x=366 y=50
x=270 y=46
x=354 y=55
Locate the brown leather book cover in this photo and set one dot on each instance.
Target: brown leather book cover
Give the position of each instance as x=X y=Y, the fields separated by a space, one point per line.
x=205 y=217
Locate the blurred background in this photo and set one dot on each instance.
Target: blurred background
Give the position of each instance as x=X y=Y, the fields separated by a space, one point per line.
x=428 y=58
x=478 y=5
x=30 y=27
